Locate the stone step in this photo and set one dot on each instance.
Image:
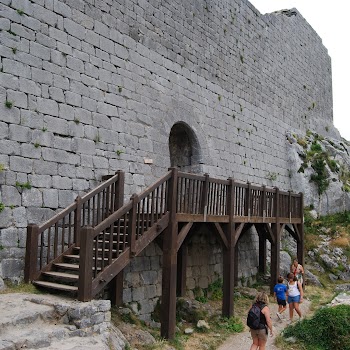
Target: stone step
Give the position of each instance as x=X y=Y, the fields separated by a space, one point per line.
x=29 y=312
x=32 y=321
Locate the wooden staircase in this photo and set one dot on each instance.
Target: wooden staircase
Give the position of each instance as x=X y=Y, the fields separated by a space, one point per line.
x=64 y=276
x=86 y=246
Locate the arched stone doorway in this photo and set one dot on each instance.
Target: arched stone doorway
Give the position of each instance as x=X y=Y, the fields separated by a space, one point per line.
x=184 y=148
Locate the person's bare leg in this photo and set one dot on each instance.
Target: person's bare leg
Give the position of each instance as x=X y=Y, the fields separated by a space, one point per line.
x=291 y=308
x=262 y=344
x=297 y=309
x=255 y=344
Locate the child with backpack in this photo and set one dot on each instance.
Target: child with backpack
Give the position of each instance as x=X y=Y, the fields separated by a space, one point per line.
x=259 y=321
x=280 y=294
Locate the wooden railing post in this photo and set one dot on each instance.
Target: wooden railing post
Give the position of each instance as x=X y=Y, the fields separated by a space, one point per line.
x=169 y=272
x=85 y=264
x=248 y=200
x=132 y=224
x=120 y=189
x=77 y=221
x=301 y=203
x=31 y=257
x=290 y=206
x=205 y=189
x=263 y=203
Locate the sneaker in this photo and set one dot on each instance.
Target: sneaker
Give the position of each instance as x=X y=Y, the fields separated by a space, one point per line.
x=279 y=316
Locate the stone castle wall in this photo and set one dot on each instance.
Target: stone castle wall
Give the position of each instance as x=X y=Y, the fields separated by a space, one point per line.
x=90 y=87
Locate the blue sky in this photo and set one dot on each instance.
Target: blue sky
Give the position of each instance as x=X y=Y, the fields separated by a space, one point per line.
x=330 y=19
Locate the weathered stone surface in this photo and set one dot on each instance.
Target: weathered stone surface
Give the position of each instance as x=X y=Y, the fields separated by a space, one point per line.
x=311 y=279
x=83 y=91
x=2 y=284
x=39 y=321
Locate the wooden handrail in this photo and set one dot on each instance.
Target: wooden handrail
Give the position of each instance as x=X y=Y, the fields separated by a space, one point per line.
x=60 y=227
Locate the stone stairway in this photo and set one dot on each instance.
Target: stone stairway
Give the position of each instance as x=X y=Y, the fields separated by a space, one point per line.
x=50 y=322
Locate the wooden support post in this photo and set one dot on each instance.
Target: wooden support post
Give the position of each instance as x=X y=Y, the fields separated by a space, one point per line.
x=262 y=253
x=168 y=306
x=117 y=289
x=229 y=256
x=275 y=246
x=85 y=264
x=301 y=244
x=31 y=257
x=116 y=285
x=181 y=270
x=235 y=266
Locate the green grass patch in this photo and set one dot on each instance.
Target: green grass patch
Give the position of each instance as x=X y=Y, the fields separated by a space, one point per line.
x=21 y=288
x=327 y=329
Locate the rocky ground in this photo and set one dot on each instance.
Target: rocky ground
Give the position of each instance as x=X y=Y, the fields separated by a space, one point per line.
x=49 y=322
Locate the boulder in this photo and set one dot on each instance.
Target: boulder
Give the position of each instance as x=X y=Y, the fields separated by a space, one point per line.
x=311 y=279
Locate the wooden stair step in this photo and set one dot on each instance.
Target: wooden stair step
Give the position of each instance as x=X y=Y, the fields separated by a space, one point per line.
x=67 y=266
x=78 y=257
x=58 y=286
x=72 y=256
x=73 y=267
x=64 y=275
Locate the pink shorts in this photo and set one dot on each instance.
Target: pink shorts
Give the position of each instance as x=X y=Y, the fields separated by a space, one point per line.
x=259 y=333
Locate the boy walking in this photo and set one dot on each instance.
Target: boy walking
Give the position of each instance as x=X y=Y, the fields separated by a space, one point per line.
x=280 y=291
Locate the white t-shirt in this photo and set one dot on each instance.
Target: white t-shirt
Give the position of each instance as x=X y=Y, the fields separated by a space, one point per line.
x=293 y=290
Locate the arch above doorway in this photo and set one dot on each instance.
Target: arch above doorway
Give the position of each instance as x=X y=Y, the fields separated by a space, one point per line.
x=184 y=148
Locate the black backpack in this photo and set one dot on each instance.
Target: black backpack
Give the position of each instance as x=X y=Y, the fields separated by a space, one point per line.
x=253 y=318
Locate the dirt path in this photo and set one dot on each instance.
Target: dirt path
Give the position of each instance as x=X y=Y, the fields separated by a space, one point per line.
x=242 y=341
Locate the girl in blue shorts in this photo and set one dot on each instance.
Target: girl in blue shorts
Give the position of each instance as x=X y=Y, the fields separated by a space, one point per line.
x=295 y=296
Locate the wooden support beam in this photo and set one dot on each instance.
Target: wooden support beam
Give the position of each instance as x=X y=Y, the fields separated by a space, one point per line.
x=169 y=271
x=116 y=286
x=237 y=232
x=221 y=233
x=276 y=244
x=293 y=231
x=181 y=270
x=235 y=267
x=262 y=254
x=228 y=258
x=183 y=234
x=301 y=245
x=31 y=257
x=85 y=264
